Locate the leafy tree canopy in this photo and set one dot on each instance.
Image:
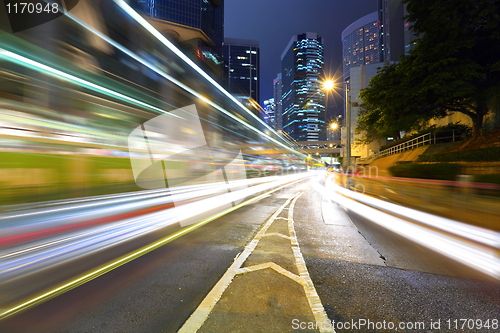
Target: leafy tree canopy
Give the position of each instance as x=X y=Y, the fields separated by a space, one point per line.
x=454 y=67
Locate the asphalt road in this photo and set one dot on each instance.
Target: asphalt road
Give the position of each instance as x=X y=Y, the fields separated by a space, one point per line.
x=383 y=277
x=360 y=272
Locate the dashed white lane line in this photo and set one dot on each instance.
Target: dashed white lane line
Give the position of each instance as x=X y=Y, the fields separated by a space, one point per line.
x=198 y=318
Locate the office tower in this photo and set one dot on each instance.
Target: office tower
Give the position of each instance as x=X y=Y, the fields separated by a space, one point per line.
x=360 y=48
x=269 y=112
x=395 y=35
x=198 y=24
x=302 y=95
x=409 y=36
x=360 y=43
x=278 y=88
x=242 y=68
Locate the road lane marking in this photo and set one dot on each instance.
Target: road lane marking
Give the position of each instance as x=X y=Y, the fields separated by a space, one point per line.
x=275 y=267
x=277 y=234
x=312 y=296
x=200 y=315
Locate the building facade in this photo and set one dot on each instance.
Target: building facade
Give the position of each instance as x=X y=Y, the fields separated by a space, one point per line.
x=278 y=92
x=360 y=43
x=360 y=78
x=303 y=105
x=409 y=36
x=199 y=23
x=241 y=57
x=395 y=35
x=270 y=112
x=361 y=59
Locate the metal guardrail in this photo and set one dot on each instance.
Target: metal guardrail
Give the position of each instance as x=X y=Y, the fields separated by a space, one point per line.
x=426 y=139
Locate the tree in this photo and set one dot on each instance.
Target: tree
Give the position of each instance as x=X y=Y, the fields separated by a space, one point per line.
x=389 y=107
x=454 y=67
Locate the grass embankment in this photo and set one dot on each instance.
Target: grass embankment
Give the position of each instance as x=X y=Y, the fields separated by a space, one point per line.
x=30 y=177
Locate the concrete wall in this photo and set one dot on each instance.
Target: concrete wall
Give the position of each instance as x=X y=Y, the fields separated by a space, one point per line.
x=453 y=118
x=360 y=78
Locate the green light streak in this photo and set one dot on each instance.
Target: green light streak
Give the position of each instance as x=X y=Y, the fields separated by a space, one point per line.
x=59 y=74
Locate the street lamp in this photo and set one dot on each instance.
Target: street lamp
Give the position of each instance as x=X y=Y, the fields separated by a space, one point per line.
x=347 y=159
x=329 y=85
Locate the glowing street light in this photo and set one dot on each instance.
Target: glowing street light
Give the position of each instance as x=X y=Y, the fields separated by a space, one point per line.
x=328 y=85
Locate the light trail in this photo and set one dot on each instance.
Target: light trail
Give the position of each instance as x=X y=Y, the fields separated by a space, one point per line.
x=470 y=245
x=73 y=283
x=160 y=37
x=476 y=234
x=57 y=73
x=139 y=19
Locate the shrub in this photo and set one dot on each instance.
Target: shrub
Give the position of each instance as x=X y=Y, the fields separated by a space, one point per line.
x=490 y=178
x=445 y=171
x=474 y=155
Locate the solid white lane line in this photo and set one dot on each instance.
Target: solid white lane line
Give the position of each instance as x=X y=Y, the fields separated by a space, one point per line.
x=312 y=296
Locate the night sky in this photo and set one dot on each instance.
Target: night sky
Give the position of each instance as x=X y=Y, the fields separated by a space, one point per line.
x=274 y=22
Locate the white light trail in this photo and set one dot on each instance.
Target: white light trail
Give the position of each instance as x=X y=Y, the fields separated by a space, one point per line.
x=472 y=246
x=167 y=43
x=181 y=55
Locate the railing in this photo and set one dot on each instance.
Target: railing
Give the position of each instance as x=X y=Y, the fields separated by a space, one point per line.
x=428 y=138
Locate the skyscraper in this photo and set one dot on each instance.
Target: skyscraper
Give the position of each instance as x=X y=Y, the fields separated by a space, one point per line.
x=395 y=35
x=302 y=95
x=198 y=22
x=409 y=36
x=278 y=89
x=269 y=112
x=360 y=48
x=360 y=43
x=242 y=67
